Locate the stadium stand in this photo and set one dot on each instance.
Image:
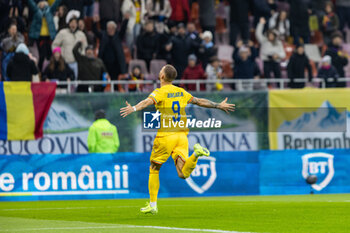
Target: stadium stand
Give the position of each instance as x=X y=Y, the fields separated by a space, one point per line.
x=20 y=18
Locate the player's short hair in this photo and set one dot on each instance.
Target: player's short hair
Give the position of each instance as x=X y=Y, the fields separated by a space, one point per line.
x=170 y=73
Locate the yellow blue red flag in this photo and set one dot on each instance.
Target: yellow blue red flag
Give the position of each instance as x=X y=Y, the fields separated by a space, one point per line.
x=23 y=109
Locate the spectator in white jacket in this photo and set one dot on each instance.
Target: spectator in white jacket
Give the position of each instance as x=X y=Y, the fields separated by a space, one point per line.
x=271 y=50
x=135 y=11
x=67 y=39
x=280 y=22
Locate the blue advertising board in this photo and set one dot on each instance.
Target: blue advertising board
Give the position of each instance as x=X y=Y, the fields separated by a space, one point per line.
x=125 y=175
x=122 y=175
x=284 y=172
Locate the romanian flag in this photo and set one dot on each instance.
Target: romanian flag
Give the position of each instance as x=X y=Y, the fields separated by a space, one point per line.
x=23 y=109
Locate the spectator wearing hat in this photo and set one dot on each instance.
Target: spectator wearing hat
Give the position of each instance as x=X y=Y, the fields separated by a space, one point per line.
x=180 y=49
x=298 y=62
x=214 y=73
x=193 y=71
x=42 y=29
x=90 y=68
x=206 y=49
x=159 y=11
x=103 y=136
x=67 y=38
x=135 y=11
x=147 y=44
x=21 y=66
x=339 y=57
x=271 y=51
x=58 y=69
x=245 y=66
x=111 y=49
x=328 y=72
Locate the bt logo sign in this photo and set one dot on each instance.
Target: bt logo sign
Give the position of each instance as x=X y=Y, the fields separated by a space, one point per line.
x=204 y=175
x=321 y=165
x=201 y=169
x=317 y=167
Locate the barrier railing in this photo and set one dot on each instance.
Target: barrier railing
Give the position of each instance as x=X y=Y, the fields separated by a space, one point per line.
x=241 y=84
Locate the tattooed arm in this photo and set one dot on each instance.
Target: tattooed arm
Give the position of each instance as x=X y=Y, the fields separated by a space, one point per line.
x=138 y=107
x=205 y=103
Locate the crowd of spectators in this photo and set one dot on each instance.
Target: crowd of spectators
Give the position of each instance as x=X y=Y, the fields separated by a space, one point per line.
x=87 y=40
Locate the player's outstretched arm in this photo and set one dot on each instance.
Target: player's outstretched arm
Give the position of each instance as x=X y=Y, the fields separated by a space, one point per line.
x=224 y=106
x=138 y=107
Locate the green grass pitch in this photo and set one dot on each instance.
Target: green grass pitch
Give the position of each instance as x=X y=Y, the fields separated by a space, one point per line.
x=305 y=213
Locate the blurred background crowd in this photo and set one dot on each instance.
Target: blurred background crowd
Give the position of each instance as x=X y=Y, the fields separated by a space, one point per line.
x=213 y=40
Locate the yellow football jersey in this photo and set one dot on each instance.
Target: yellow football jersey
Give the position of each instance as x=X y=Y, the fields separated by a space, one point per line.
x=171 y=102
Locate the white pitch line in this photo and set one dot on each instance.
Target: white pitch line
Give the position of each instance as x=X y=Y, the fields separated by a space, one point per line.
x=125 y=226
x=184 y=229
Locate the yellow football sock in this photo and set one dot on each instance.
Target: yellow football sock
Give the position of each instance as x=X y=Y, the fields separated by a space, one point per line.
x=153 y=184
x=189 y=165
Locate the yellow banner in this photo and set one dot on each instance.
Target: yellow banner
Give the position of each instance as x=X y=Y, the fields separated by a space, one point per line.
x=292 y=111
